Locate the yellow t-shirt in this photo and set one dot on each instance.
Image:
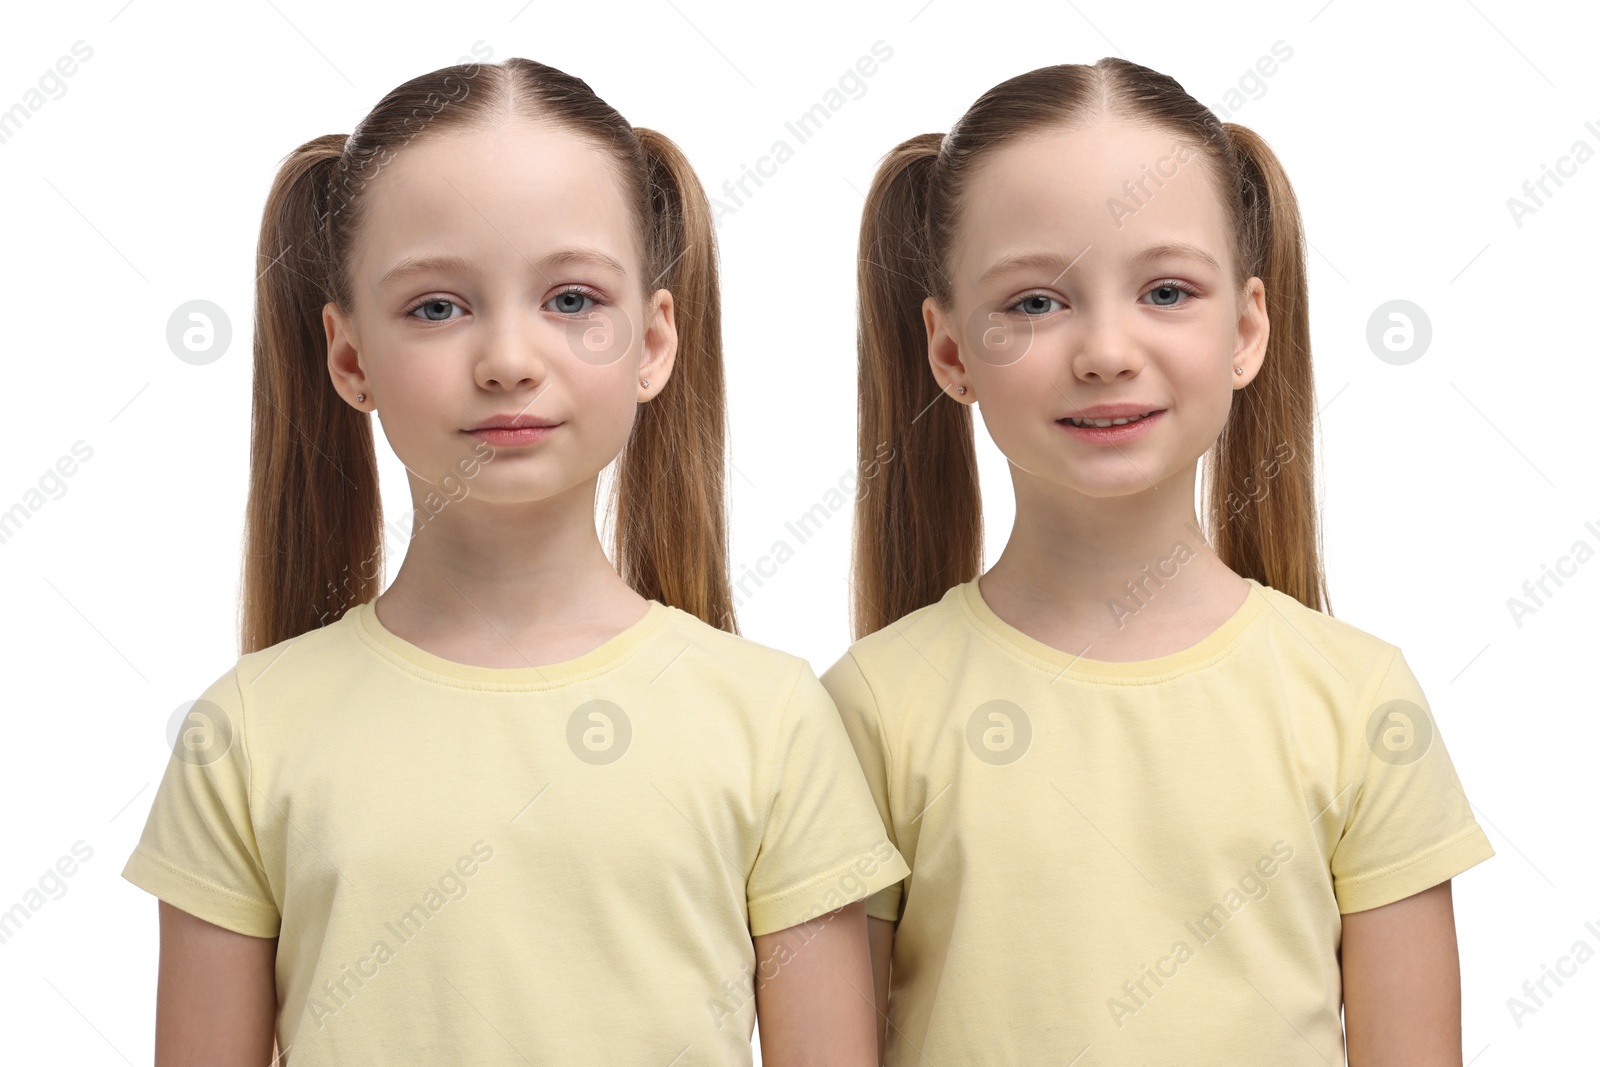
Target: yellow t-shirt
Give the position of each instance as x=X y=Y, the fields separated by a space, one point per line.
x=557 y=864
x=1141 y=862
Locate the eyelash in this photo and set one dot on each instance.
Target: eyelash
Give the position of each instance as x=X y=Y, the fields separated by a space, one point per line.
x=583 y=290
x=1165 y=283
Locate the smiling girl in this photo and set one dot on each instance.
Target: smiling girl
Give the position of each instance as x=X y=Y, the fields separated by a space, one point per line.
x=1159 y=806
x=518 y=808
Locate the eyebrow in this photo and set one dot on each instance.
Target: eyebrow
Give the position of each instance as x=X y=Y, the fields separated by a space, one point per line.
x=1178 y=250
x=453 y=264
x=1047 y=260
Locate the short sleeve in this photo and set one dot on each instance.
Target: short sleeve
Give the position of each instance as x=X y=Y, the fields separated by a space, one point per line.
x=823 y=846
x=198 y=851
x=858 y=710
x=1409 y=825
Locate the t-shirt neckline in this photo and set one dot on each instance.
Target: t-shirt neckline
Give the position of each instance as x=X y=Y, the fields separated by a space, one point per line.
x=470 y=676
x=1047 y=657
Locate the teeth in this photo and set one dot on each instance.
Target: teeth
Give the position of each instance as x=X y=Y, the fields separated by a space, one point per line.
x=1107 y=422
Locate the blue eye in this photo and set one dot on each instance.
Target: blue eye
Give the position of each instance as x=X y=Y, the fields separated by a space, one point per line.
x=1169 y=294
x=571 y=301
x=431 y=304
x=1031 y=304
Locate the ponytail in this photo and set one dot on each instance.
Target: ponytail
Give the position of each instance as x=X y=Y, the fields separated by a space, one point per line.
x=918 y=525
x=312 y=540
x=1259 y=483
x=671 y=532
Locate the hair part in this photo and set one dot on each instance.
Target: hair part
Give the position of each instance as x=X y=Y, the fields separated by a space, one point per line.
x=920 y=529
x=313 y=525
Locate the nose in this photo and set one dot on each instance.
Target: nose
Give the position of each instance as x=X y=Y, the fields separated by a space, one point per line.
x=1105 y=347
x=508 y=353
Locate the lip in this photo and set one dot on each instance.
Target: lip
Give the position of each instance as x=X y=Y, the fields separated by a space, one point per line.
x=512 y=422
x=1112 y=435
x=510 y=430
x=1114 y=411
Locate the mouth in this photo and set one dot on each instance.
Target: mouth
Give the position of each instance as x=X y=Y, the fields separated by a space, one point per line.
x=1102 y=423
x=513 y=422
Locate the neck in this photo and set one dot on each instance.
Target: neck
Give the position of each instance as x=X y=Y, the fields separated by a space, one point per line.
x=477 y=566
x=1107 y=572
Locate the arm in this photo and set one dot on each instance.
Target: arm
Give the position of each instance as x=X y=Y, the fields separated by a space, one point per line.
x=880 y=932
x=1402 y=983
x=216 y=996
x=812 y=992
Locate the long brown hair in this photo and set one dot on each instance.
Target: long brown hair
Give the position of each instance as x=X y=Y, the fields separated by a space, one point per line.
x=313 y=536
x=918 y=531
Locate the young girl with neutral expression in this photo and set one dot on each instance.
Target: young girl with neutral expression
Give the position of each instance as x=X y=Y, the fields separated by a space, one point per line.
x=518 y=808
x=1159 y=806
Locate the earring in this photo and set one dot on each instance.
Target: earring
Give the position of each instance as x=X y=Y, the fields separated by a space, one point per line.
x=644 y=383
x=962 y=390
x=1238 y=370
x=361 y=398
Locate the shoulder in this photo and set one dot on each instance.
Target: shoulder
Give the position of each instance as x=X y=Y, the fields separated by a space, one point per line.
x=933 y=631
x=881 y=673
x=732 y=662
x=1316 y=643
x=302 y=659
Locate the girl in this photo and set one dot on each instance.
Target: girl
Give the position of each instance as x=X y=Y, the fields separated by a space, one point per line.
x=518 y=808
x=1159 y=807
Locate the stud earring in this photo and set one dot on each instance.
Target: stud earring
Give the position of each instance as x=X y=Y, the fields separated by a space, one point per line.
x=1238 y=370
x=961 y=390
x=644 y=383
x=361 y=398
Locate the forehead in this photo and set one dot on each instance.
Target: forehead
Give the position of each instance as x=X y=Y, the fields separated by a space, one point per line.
x=500 y=195
x=1112 y=189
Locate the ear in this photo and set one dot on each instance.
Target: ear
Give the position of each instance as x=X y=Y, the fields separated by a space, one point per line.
x=660 y=344
x=944 y=352
x=1253 y=328
x=344 y=357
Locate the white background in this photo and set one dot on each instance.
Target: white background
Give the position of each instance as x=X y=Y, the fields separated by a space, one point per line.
x=1446 y=483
